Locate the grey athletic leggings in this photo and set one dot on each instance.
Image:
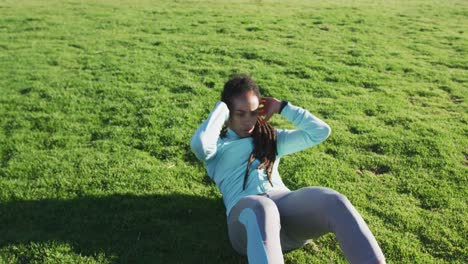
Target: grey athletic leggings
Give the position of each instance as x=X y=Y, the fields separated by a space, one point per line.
x=264 y=226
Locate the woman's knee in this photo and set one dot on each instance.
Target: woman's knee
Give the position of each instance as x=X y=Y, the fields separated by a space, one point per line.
x=266 y=207
x=263 y=208
x=329 y=199
x=338 y=199
x=261 y=216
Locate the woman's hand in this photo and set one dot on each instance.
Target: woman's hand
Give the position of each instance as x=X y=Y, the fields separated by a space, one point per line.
x=268 y=107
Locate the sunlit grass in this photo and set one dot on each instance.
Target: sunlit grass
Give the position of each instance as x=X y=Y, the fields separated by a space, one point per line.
x=98 y=100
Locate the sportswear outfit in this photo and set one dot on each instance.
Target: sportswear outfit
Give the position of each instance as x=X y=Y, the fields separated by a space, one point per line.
x=264 y=220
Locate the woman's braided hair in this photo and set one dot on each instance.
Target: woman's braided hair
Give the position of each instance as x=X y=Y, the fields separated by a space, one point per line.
x=264 y=135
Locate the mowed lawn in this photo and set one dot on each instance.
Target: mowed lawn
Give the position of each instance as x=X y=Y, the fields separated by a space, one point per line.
x=99 y=99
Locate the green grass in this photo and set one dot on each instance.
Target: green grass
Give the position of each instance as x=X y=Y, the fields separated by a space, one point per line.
x=98 y=100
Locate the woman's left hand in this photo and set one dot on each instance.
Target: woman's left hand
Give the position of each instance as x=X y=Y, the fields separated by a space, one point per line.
x=268 y=107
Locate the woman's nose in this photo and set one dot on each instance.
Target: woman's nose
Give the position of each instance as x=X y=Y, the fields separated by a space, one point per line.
x=251 y=122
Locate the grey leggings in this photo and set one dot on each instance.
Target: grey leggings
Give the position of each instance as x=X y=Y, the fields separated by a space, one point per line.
x=264 y=226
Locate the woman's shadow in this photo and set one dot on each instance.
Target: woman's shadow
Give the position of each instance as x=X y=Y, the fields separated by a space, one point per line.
x=173 y=228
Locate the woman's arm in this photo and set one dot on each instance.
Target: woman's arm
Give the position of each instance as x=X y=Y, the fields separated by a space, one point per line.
x=204 y=141
x=311 y=131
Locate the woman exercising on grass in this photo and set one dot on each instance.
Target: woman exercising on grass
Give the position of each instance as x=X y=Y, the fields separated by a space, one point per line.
x=241 y=153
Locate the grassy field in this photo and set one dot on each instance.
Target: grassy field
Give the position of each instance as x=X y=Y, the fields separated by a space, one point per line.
x=98 y=100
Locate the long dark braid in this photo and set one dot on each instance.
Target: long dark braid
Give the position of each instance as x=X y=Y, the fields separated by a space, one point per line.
x=264 y=135
x=264 y=140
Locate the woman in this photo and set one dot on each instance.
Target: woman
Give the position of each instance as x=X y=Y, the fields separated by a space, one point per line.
x=241 y=153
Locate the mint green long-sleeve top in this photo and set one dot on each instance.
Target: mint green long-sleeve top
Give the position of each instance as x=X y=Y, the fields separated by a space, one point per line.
x=226 y=159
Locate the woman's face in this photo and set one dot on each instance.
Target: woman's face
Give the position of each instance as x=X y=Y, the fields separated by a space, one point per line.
x=244 y=113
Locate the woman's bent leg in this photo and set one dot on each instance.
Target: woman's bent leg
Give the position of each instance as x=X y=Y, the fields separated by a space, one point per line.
x=254 y=229
x=312 y=211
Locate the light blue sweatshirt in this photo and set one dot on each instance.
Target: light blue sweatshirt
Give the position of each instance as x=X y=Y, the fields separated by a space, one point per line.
x=226 y=158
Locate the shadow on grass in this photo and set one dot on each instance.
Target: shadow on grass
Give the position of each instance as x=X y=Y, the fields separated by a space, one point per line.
x=134 y=229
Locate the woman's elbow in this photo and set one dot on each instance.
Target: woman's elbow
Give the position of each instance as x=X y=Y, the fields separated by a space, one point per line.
x=327 y=131
x=202 y=152
x=322 y=134
x=197 y=147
